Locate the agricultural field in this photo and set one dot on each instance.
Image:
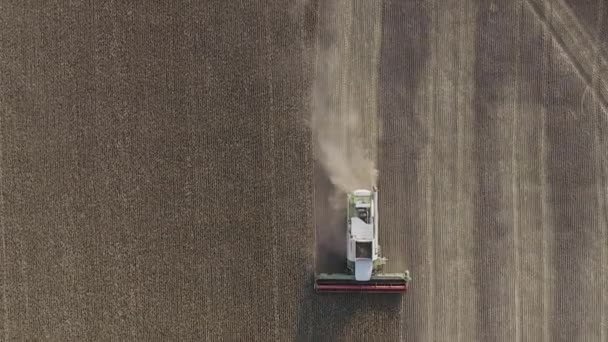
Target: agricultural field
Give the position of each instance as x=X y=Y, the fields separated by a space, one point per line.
x=174 y=170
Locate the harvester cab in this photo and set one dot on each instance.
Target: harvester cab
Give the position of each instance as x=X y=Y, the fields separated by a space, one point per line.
x=363 y=259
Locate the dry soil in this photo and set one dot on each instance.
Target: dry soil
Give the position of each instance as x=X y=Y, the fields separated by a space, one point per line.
x=160 y=175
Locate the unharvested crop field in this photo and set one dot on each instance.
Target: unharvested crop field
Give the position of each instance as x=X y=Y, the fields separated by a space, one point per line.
x=162 y=173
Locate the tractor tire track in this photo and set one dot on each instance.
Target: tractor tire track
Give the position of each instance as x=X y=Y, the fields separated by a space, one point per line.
x=601 y=169
x=571 y=175
x=493 y=132
x=467 y=296
x=402 y=109
x=514 y=91
x=576 y=43
x=442 y=173
x=535 y=224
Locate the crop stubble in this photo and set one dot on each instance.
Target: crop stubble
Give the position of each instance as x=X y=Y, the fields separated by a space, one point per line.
x=490 y=193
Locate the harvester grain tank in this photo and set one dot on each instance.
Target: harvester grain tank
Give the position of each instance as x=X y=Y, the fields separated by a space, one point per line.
x=364 y=262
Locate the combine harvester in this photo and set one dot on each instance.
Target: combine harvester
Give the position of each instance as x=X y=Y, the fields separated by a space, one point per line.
x=363 y=259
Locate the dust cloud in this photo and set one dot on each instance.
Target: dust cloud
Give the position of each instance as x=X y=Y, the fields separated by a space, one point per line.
x=347 y=158
x=344 y=120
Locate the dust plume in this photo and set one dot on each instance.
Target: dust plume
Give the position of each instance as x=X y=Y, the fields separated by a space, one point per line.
x=344 y=120
x=348 y=158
